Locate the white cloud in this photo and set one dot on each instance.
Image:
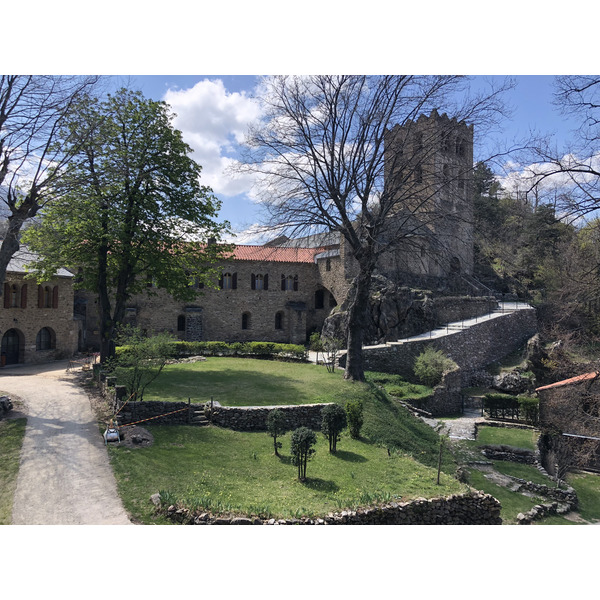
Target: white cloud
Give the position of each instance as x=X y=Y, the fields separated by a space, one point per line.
x=213 y=122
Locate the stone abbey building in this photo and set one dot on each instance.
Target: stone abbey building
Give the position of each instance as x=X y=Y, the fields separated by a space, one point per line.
x=283 y=290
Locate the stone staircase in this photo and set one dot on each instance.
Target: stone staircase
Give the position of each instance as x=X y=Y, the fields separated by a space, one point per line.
x=198 y=418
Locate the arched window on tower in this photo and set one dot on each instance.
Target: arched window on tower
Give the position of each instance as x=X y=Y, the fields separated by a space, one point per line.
x=246 y=320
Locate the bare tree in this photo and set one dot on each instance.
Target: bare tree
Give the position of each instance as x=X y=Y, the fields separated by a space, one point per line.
x=569 y=178
x=335 y=153
x=32 y=108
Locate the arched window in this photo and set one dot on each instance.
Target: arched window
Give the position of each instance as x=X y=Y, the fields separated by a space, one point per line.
x=461 y=149
x=45 y=339
x=279 y=320
x=181 y=323
x=246 y=320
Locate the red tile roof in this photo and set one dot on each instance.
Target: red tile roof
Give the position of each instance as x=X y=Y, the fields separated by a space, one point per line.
x=275 y=254
x=572 y=380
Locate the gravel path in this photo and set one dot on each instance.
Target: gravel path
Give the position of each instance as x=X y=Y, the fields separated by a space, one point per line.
x=65 y=477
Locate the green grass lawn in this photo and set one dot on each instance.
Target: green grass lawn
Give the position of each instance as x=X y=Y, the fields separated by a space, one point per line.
x=11 y=440
x=519 y=438
x=247 y=382
x=225 y=470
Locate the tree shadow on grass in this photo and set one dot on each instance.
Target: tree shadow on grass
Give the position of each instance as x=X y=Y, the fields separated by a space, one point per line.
x=350 y=456
x=286 y=460
x=321 y=485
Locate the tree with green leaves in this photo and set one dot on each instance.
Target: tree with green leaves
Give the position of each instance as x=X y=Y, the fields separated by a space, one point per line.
x=431 y=365
x=130 y=215
x=354 y=413
x=140 y=359
x=334 y=421
x=303 y=440
x=276 y=426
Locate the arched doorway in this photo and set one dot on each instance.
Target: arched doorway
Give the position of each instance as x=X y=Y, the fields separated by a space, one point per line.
x=12 y=347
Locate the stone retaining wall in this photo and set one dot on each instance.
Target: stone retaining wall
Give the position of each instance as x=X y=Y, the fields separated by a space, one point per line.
x=254 y=418
x=508 y=453
x=471 y=348
x=474 y=508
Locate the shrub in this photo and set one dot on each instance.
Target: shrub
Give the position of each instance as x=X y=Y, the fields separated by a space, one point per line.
x=354 y=414
x=333 y=423
x=431 y=365
x=303 y=440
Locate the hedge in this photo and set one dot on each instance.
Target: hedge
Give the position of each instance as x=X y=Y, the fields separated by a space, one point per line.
x=505 y=406
x=270 y=350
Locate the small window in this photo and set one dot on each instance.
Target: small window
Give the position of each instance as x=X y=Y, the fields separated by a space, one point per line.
x=228 y=281
x=259 y=282
x=246 y=320
x=279 y=320
x=181 y=323
x=328 y=264
x=461 y=149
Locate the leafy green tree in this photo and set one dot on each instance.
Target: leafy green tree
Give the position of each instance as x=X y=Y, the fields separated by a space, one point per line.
x=277 y=427
x=333 y=423
x=140 y=360
x=303 y=440
x=354 y=414
x=130 y=214
x=431 y=365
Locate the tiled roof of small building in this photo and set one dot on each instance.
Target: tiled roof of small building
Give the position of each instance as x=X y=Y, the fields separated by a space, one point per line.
x=276 y=254
x=572 y=380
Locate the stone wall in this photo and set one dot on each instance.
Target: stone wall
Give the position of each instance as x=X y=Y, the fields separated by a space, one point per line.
x=254 y=418
x=470 y=348
x=475 y=508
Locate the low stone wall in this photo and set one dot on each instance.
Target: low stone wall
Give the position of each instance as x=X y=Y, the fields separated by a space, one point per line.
x=508 y=453
x=474 y=508
x=254 y=418
x=173 y=413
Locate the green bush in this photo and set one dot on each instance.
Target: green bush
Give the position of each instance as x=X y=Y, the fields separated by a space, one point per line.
x=333 y=423
x=431 y=365
x=513 y=407
x=354 y=413
x=303 y=440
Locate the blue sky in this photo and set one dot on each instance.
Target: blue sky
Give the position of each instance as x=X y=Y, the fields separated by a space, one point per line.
x=214 y=111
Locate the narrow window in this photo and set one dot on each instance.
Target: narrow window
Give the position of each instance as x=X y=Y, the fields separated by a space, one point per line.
x=328 y=264
x=319 y=299
x=246 y=320
x=279 y=320
x=181 y=323
x=259 y=282
x=14 y=296
x=47 y=297
x=289 y=282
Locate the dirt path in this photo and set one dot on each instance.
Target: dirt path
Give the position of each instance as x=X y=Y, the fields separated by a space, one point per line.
x=65 y=476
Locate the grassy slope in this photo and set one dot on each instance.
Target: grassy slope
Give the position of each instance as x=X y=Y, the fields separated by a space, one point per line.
x=11 y=439
x=228 y=470
x=240 y=470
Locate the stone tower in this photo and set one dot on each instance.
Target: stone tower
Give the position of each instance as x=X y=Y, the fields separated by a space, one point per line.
x=429 y=164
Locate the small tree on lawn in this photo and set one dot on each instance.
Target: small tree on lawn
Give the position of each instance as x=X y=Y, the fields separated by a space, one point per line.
x=303 y=440
x=276 y=426
x=354 y=413
x=140 y=359
x=331 y=348
x=334 y=422
x=315 y=344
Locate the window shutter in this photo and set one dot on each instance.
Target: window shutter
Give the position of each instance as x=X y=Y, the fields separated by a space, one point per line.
x=24 y=296
x=283 y=282
x=252 y=282
x=296 y=283
x=6 y=295
x=40 y=296
x=221 y=281
x=55 y=297
x=234 y=282
x=266 y=282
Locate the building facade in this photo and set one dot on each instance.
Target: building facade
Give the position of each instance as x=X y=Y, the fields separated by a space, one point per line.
x=36 y=321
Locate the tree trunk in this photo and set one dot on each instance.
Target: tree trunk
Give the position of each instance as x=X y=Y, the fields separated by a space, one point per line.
x=357 y=316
